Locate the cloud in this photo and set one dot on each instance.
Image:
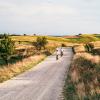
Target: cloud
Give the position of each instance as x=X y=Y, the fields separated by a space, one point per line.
x=39 y=9
x=51 y=16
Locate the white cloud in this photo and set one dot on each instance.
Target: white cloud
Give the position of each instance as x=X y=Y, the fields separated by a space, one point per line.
x=32 y=9
x=49 y=16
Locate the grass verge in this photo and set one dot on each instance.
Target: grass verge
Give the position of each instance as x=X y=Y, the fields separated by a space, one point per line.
x=83 y=79
x=7 y=72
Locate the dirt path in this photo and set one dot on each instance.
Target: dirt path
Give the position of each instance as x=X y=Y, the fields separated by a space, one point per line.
x=44 y=82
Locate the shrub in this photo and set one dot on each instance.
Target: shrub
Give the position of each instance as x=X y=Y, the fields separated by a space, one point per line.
x=96 y=51
x=83 y=63
x=70 y=91
x=89 y=47
x=40 y=42
x=97 y=67
x=63 y=45
x=70 y=88
x=87 y=76
x=86 y=98
x=6 y=48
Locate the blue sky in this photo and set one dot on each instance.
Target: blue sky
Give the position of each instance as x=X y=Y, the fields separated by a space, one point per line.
x=53 y=17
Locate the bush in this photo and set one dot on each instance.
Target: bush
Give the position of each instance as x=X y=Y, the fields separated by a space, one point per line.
x=96 y=51
x=7 y=48
x=89 y=47
x=63 y=45
x=86 y=98
x=87 y=76
x=83 y=63
x=70 y=91
x=40 y=42
x=70 y=88
x=95 y=97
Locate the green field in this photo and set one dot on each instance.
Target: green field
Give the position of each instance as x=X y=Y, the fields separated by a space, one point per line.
x=85 y=38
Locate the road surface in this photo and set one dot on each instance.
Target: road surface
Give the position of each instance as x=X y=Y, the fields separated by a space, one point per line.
x=43 y=82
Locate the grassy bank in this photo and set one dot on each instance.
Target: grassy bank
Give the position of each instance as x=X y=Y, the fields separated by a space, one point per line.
x=83 y=79
x=22 y=65
x=7 y=72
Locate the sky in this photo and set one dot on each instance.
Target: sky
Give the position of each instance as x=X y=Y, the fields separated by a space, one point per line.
x=50 y=17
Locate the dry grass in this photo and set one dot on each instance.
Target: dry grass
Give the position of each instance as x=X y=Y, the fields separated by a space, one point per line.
x=94 y=59
x=79 y=48
x=23 y=46
x=85 y=85
x=96 y=44
x=80 y=89
x=84 y=74
x=23 y=38
x=10 y=71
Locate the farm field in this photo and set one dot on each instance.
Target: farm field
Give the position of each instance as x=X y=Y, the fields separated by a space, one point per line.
x=79 y=39
x=22 y=41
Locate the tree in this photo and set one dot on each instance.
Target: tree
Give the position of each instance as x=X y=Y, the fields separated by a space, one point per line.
x=6 y=48
x=24 y=34
x=40 y=42
x=44 y=42
x=1 y=36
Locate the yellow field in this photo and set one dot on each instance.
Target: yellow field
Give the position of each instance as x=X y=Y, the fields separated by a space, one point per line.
x=23 y=38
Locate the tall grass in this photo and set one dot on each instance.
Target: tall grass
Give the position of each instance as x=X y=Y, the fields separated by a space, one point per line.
x=7 y=72
x=83 y=78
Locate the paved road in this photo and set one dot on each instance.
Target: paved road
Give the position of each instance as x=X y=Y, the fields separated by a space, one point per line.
x=44 y=82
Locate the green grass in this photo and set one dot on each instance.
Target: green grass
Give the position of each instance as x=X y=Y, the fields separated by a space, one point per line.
x=97 y=36
x=84 y=38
